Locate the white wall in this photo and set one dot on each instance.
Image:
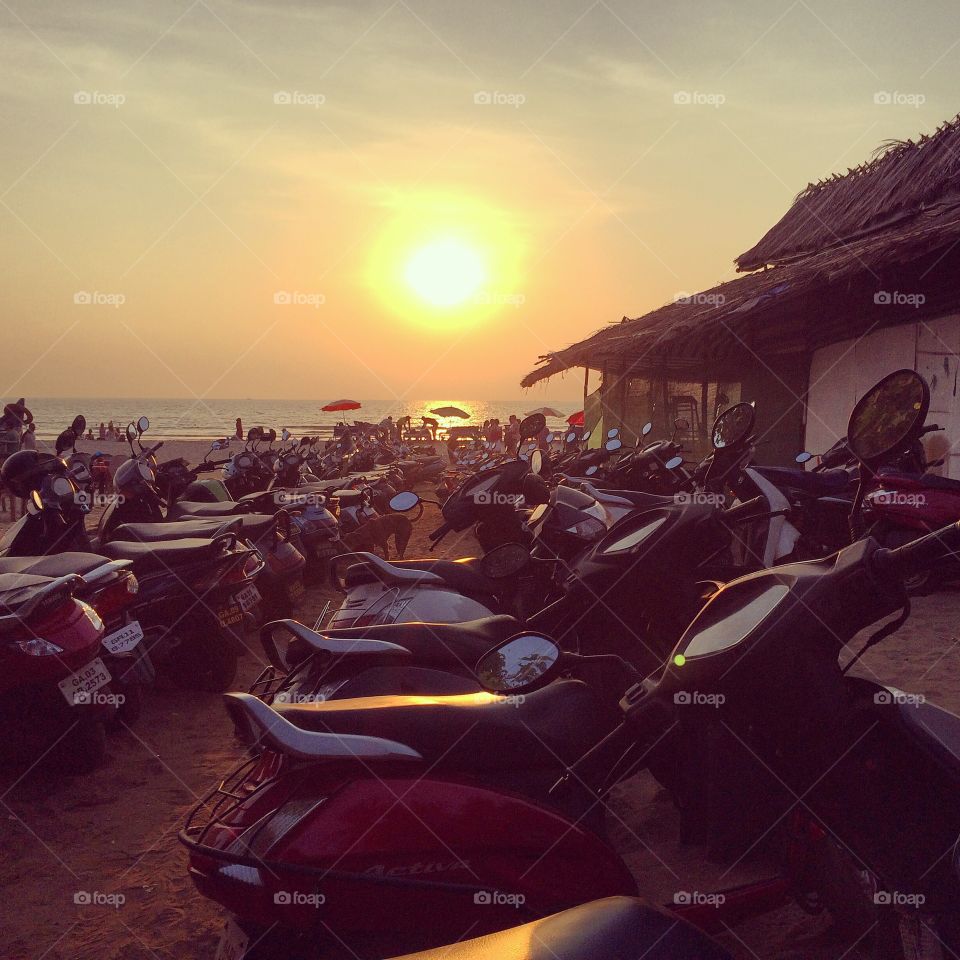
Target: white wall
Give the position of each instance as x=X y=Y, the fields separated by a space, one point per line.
x=841 y=373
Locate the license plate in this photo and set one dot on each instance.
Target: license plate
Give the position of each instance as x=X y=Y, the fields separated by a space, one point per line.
x=247 y=597
x=123 y=641
x=228 y=616
x=233 y=942
x=77 y=687
x=295 y=590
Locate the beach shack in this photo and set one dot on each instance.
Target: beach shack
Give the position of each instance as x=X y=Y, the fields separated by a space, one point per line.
x=859 y=278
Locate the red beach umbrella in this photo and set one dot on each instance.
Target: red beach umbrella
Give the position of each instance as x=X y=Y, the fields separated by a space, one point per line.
x=341 y=405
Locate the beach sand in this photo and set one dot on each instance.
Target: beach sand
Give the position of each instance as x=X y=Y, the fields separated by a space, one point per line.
x=115 y=831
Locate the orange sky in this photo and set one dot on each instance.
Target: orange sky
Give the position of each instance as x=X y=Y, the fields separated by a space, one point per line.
x=217 y=199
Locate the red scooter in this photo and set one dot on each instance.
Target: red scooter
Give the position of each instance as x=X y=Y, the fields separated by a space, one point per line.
x=55 y=693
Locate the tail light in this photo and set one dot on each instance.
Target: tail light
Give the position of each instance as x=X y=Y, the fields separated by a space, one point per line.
x=116 y=597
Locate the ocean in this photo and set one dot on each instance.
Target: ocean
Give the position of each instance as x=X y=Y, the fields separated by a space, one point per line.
x=208 y=419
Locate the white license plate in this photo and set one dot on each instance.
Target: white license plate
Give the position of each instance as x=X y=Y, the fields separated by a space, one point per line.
x=123 y=641
x=233 y=942
x=81 y=684
x=247 y=597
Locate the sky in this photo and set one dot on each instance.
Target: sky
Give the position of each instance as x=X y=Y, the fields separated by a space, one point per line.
x=259 y=198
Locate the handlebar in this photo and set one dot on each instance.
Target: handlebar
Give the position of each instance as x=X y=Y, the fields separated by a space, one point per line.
x=919 y=554
x=930 y=428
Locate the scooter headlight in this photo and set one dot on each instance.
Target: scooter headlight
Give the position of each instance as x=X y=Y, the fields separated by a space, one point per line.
x=38 y=647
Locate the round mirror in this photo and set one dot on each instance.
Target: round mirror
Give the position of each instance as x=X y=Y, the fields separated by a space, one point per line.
x=532 y=426
x=586 y=435
x=66 y=441
x=524 y=456
x=803 y=457
x=131 y=432
x=613 y=432
x=62 y=487
x=143 y=424
x=887 y=415
x=35 y=503
x=614 y=443
x=504 y=561
x=733 y=426
x=402 y=502
x=518 y=663
x=646 y=428
x=79 y=424
x=673 y=463
x=549 y=437
x=570 y=437
x=590 y=471
x=536 y=461
x=537 y=514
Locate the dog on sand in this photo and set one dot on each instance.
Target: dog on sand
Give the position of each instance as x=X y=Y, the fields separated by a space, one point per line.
x=376 y=533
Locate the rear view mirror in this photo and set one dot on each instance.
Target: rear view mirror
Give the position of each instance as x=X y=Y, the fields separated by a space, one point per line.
x=733 y=426
x=803 y=457
x=79 y=425
x=888 y=415
x=673 y=463
x=131 y=432
x=590 y=471
x=646 y=428
x=532 y=426
x=143 y=424
x=613 y=432
x=614 y=443
x=66 y=441
x=517 y=664
x=570 y=437
x=504 y=561
x=536 y=461
x=402 y=502
x=549 y=438
x=586 y=435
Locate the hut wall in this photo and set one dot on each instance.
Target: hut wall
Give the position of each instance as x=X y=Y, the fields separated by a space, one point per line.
x=842 y=372
x=777 y=385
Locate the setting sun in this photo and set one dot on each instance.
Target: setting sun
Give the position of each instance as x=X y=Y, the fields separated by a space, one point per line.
x=445 y=273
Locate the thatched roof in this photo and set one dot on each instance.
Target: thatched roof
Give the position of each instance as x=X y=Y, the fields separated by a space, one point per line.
x=905 y=178
x=899 y=208
x=747 y=314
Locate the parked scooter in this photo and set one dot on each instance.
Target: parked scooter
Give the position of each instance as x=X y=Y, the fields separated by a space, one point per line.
x=751 y=714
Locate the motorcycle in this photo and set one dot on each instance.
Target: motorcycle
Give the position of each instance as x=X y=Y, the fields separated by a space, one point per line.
x=752 y=723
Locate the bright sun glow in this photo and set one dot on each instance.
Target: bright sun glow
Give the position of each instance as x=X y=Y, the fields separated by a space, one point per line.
x=445 y=272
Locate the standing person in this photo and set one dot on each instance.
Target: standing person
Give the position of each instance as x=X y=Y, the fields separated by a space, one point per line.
x=239 y=431
x=403 y=427
x=430 y=425
x=103 y=431
x=512 y=436
x=29 y=439
x=111 y=431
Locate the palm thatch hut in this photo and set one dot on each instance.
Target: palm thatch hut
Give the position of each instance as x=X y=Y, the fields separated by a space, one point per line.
x=860 y=277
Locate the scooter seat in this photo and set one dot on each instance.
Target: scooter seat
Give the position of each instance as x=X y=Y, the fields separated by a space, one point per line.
x=249 y=525
x=460 y=644
x=549 y=728
x=196 y=508
x=818 y=483
x=455 y=573
x=56 y=565
x=164 y=554
x=617 y=928
x=934 y=482
x=348 y=498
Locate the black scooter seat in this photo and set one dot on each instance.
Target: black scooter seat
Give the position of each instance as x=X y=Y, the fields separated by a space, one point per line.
x=197 y=508
x=348 y=498
x=460 y=644
x=455 y=573
x=248 y=525
x=929 y=480
x=163 y=555
x=818 y=483
x=56 y=565
x=617 y=928
x=548 y=728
